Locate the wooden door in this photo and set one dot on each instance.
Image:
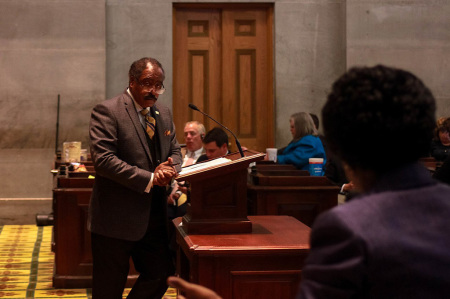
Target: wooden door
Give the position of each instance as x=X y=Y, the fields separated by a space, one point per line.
x=223 y=65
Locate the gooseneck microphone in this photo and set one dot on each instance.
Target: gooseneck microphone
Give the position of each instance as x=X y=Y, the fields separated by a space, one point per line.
x=193 y=107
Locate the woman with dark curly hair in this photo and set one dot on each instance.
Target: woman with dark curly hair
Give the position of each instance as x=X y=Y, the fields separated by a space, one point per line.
x=391 y=240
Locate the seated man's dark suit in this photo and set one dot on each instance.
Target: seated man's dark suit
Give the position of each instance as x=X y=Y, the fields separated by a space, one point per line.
x=443 y=173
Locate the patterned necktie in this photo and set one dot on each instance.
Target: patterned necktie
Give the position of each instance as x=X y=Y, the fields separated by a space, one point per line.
x=150 y=123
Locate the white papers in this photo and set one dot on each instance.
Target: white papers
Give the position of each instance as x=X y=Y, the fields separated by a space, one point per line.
x=204 y=165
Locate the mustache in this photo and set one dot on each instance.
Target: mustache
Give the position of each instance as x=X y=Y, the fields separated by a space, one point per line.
x=150 y=97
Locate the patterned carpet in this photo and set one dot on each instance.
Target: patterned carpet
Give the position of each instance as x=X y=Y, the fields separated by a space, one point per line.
x=26 y=265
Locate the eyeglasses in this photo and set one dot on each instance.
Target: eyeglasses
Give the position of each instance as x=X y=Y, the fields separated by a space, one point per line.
x=157 y=87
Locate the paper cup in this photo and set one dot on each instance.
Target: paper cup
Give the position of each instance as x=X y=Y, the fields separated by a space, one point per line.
x=272 y=154
x=72 y=151
x=315 y=166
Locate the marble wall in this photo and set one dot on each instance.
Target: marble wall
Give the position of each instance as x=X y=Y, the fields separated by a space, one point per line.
x=46 y=48
x=309 y=56
x=49 y=48
x=82 y=50
x=412 y=35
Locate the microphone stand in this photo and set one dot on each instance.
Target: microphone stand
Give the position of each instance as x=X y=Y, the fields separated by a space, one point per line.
x=193 y=107
x=57 y=127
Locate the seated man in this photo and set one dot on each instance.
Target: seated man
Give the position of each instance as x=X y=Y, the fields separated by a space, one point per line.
x=215 y=144
x=443 y=173
x=194 y=132
x=334 y=171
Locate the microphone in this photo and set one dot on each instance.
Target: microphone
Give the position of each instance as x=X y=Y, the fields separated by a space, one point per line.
x=193 y=107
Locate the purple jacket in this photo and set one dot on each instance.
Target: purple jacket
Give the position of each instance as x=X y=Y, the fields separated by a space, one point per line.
x=393 y=242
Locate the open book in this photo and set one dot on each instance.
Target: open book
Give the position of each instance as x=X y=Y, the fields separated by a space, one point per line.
x=204 y=165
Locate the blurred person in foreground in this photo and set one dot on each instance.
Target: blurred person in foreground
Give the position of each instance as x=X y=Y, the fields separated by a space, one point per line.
x=190 y=290
x=392 y=240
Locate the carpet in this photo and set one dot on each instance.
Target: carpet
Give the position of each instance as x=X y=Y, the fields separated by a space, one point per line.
x=26 y=265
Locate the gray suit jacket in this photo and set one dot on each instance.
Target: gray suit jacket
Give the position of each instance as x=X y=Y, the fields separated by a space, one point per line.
x=119 y=207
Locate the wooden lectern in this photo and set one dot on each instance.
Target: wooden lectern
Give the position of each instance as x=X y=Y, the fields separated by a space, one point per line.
x=218 y=196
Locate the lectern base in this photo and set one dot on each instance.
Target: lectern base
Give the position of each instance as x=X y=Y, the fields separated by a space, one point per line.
x=216 y=226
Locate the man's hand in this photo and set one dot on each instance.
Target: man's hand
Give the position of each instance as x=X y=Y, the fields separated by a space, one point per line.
x=348 y=187
x=164 y=173
x=172 y=198
x=183 y=186
x=191 y=290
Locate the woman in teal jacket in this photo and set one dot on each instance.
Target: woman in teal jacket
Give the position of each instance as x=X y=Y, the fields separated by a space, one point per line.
x=305 y=144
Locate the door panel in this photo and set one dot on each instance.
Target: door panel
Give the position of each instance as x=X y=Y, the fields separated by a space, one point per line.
x=196 y=66
x=223 y=65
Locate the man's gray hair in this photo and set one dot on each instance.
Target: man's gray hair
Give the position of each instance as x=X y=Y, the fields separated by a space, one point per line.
x=200 y=127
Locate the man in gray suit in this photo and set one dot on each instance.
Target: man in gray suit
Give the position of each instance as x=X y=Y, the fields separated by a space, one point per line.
x=135 y=156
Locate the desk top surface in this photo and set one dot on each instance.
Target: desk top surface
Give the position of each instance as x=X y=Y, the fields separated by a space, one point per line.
x=268 y=233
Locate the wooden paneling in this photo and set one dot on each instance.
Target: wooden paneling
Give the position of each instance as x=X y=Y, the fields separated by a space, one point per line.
x=72 y=240
x=248 y=100
x=223 y=65
x=265 y=284
x=246 y=93
x=273 y=190
x=197 y=66
x=199 y=79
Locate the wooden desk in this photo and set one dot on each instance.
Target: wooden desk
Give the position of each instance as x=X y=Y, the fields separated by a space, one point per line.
x=58 y=162
x=265 y=263
x=271 y=166
x=303 y=197
x=71 y=239
x=81 y=174
x=284 y=172
x=73 y=259
x=77 y=182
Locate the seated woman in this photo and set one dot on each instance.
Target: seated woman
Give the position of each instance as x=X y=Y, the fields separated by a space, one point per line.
x=305 y=144
x=440 y=147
